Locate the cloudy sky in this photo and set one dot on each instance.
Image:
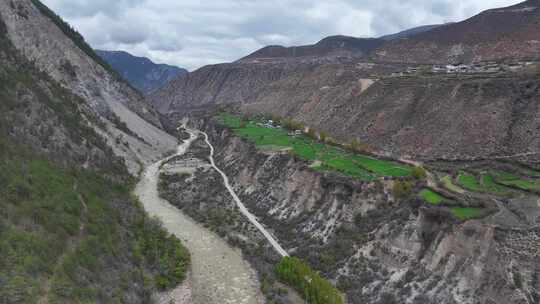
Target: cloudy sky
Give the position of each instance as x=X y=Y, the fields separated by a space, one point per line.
x=193 y=33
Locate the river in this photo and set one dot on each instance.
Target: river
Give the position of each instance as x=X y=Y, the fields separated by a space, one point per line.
x=219 y=274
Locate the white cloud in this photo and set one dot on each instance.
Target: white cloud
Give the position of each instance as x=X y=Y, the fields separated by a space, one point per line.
x=193 y=33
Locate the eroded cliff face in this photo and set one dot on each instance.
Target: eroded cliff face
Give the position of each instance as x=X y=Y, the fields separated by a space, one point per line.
x=377 y=249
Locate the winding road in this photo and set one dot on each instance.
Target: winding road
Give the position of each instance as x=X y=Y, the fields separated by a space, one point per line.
x=241 y=206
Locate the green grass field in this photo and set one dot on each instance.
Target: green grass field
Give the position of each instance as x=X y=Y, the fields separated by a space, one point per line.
x=431 y=196
x=332 y=158
x=466 y=213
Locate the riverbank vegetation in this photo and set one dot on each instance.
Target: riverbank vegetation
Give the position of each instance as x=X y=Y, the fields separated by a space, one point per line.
x=314 y=288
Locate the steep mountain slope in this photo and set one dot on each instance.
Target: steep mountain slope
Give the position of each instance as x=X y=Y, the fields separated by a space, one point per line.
x=505 y=33
x=215 y=84
x=70 y=232
x=141 y=72
x=132 y=125
x=329 y=46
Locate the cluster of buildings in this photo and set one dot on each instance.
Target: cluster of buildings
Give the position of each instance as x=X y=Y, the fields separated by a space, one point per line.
x=270 y=124
x=489 y=67
x=478 y=68
x=468 y=68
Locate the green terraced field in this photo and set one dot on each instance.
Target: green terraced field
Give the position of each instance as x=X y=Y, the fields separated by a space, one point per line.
x=469 y=182
x=509 y=179
x=466 y=213
x=431 y=196
x=332 y=158
x=488 y=182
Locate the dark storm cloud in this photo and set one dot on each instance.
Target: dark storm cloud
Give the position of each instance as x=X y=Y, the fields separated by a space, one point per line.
x=192 y=33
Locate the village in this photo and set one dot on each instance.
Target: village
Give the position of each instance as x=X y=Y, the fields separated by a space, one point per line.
x=270 y=124
x=477 y=68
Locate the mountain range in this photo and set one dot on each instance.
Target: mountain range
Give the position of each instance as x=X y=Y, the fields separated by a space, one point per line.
x=141 y=72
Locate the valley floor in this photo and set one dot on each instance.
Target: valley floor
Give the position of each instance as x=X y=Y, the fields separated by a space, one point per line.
x=219 y=273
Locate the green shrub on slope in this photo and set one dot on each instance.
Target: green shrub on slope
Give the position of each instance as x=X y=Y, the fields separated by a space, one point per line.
x=314 y=288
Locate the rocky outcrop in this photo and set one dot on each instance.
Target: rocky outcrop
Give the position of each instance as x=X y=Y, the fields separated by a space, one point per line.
x=130 y=125
x=379 y=250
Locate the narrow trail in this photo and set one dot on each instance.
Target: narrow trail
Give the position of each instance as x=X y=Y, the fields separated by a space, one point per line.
x=241 y=206
x=219 y=273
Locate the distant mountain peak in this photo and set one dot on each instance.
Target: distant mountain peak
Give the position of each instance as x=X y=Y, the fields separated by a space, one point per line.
x=141 y=72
